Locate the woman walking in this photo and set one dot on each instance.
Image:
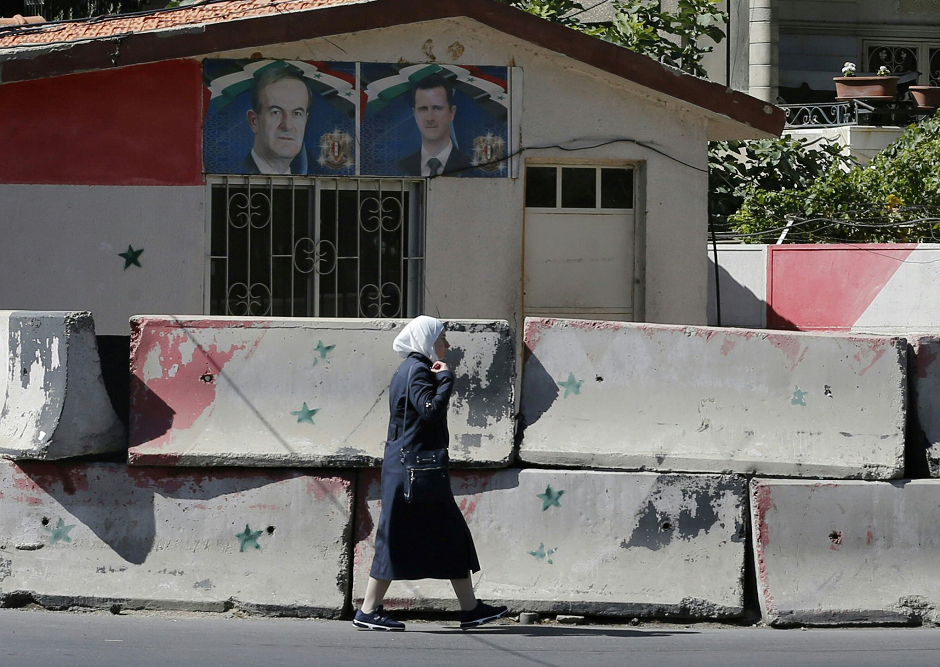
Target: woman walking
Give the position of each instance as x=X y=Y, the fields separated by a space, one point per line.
x=420 y=537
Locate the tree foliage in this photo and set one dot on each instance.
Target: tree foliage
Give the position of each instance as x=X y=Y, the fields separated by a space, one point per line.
x=674 y=38
x=787 y=163
x=895 y=198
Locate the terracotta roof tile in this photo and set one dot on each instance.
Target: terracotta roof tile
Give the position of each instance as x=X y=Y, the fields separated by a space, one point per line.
x=107 y=26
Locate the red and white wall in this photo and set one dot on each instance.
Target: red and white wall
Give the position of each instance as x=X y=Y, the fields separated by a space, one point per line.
x=844 y=287
x=94 y=163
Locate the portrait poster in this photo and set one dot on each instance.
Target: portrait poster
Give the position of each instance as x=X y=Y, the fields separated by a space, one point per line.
x=280 y=117
x=461 y=113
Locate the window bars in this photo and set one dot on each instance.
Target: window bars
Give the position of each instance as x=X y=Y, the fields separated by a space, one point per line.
x=311 y=247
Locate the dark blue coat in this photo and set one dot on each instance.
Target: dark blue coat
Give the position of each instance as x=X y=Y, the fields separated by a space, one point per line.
x=419 y=541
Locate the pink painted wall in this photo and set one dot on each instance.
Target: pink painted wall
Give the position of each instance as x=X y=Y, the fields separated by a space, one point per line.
x=831 y=287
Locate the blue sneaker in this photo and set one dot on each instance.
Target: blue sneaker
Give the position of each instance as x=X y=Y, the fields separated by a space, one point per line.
x=377 y=620
x=483 y=613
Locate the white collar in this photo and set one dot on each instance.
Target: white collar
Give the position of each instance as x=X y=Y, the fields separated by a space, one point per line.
x=266 y=167
x=442 y=156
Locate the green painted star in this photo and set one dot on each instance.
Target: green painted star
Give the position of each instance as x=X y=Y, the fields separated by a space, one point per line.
x=317 y=76
x=323 y=349
x=798 y=397
x=60 y=533
x=549 y=498
x=305 y=414
x=500 y=97
x=542 y=553
x=249 y=538
x=470 y=79
x=131 y=257
x=571 y=386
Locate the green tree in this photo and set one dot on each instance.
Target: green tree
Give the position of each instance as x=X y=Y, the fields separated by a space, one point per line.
x=674 y=38
x=787 y=163
x=894 y=198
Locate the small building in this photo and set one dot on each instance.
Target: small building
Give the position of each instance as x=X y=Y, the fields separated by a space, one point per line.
x=149 y=168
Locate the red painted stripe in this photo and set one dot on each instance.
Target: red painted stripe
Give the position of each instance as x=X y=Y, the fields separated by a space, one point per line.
x=815 y=287
x=130 y=126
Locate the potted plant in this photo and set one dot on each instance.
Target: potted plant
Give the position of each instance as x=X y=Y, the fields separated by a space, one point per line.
x=882 y=86
x=927 y=97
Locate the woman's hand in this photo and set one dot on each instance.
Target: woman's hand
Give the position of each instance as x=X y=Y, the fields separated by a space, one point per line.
x=440 y=366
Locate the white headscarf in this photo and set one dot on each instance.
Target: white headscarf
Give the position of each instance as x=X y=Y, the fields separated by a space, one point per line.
x=419 y=335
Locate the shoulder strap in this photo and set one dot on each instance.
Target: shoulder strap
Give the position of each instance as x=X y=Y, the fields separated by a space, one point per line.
x=404 y=419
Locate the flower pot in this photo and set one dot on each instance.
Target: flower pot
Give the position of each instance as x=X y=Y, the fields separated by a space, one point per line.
x=849 y=87
x=926 y=96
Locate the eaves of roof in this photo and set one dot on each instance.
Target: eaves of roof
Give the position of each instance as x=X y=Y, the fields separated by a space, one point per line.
x=55 y=49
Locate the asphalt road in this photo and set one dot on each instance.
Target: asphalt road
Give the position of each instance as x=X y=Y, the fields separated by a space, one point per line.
x=60 y=639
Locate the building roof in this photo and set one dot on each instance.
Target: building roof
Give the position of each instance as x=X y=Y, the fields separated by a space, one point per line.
x=65 y=47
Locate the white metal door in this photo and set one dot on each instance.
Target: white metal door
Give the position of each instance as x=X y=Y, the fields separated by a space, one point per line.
x=579 y=260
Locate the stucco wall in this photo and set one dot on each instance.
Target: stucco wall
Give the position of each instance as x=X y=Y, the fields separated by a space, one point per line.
x=61 y=246
x=62 y=242
x=563 y=102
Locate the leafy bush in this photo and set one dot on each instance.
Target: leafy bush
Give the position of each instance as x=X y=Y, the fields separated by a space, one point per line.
x=735 y=167
x=896 y=197
x=672 y=38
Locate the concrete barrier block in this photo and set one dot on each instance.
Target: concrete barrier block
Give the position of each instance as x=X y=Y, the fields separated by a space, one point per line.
x=585 y=542
x=273 y=542
x=846 y=552
x=55 y=404
x=299 y=392
x=699 y=399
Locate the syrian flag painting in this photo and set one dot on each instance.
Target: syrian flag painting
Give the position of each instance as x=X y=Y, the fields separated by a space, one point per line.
x=434 y=120
x=280 y=117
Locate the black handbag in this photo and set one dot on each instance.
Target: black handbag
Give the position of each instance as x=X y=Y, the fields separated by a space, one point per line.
x=427 y=476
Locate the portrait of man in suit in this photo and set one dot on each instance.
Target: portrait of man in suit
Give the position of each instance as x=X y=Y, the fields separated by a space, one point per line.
x=432 y=102
x=280 y=106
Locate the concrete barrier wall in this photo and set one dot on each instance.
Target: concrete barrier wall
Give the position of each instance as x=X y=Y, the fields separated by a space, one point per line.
x=673 y=398
x=844 y=552
x=229 y=391
x=607 y=543
x=54 y=400
x=103 y=534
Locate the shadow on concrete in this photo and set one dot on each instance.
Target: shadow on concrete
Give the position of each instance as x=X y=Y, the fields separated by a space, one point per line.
x=551 y=631
x=114 y=352
x=740 y=307
x=539 y=393
x=117 y=502
x=916 y=442
x=150 y=416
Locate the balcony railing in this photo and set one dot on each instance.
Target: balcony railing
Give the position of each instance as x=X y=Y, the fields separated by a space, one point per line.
x=854 y=112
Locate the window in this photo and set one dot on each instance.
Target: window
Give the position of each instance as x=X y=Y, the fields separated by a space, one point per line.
x=316 y=247
x=901 y=56
x=579 y=188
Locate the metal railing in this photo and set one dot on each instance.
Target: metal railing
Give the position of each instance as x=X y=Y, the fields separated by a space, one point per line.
x=827 y=114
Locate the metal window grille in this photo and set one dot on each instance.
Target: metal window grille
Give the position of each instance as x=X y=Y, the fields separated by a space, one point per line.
x=307 y=247
x=934 y=71
x=897 y=59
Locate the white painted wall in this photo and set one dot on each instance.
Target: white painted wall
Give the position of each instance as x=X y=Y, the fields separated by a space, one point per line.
x=861 y=142
x=61 y=244
x=563 y=101
x=63 y=241
x=742 y=283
